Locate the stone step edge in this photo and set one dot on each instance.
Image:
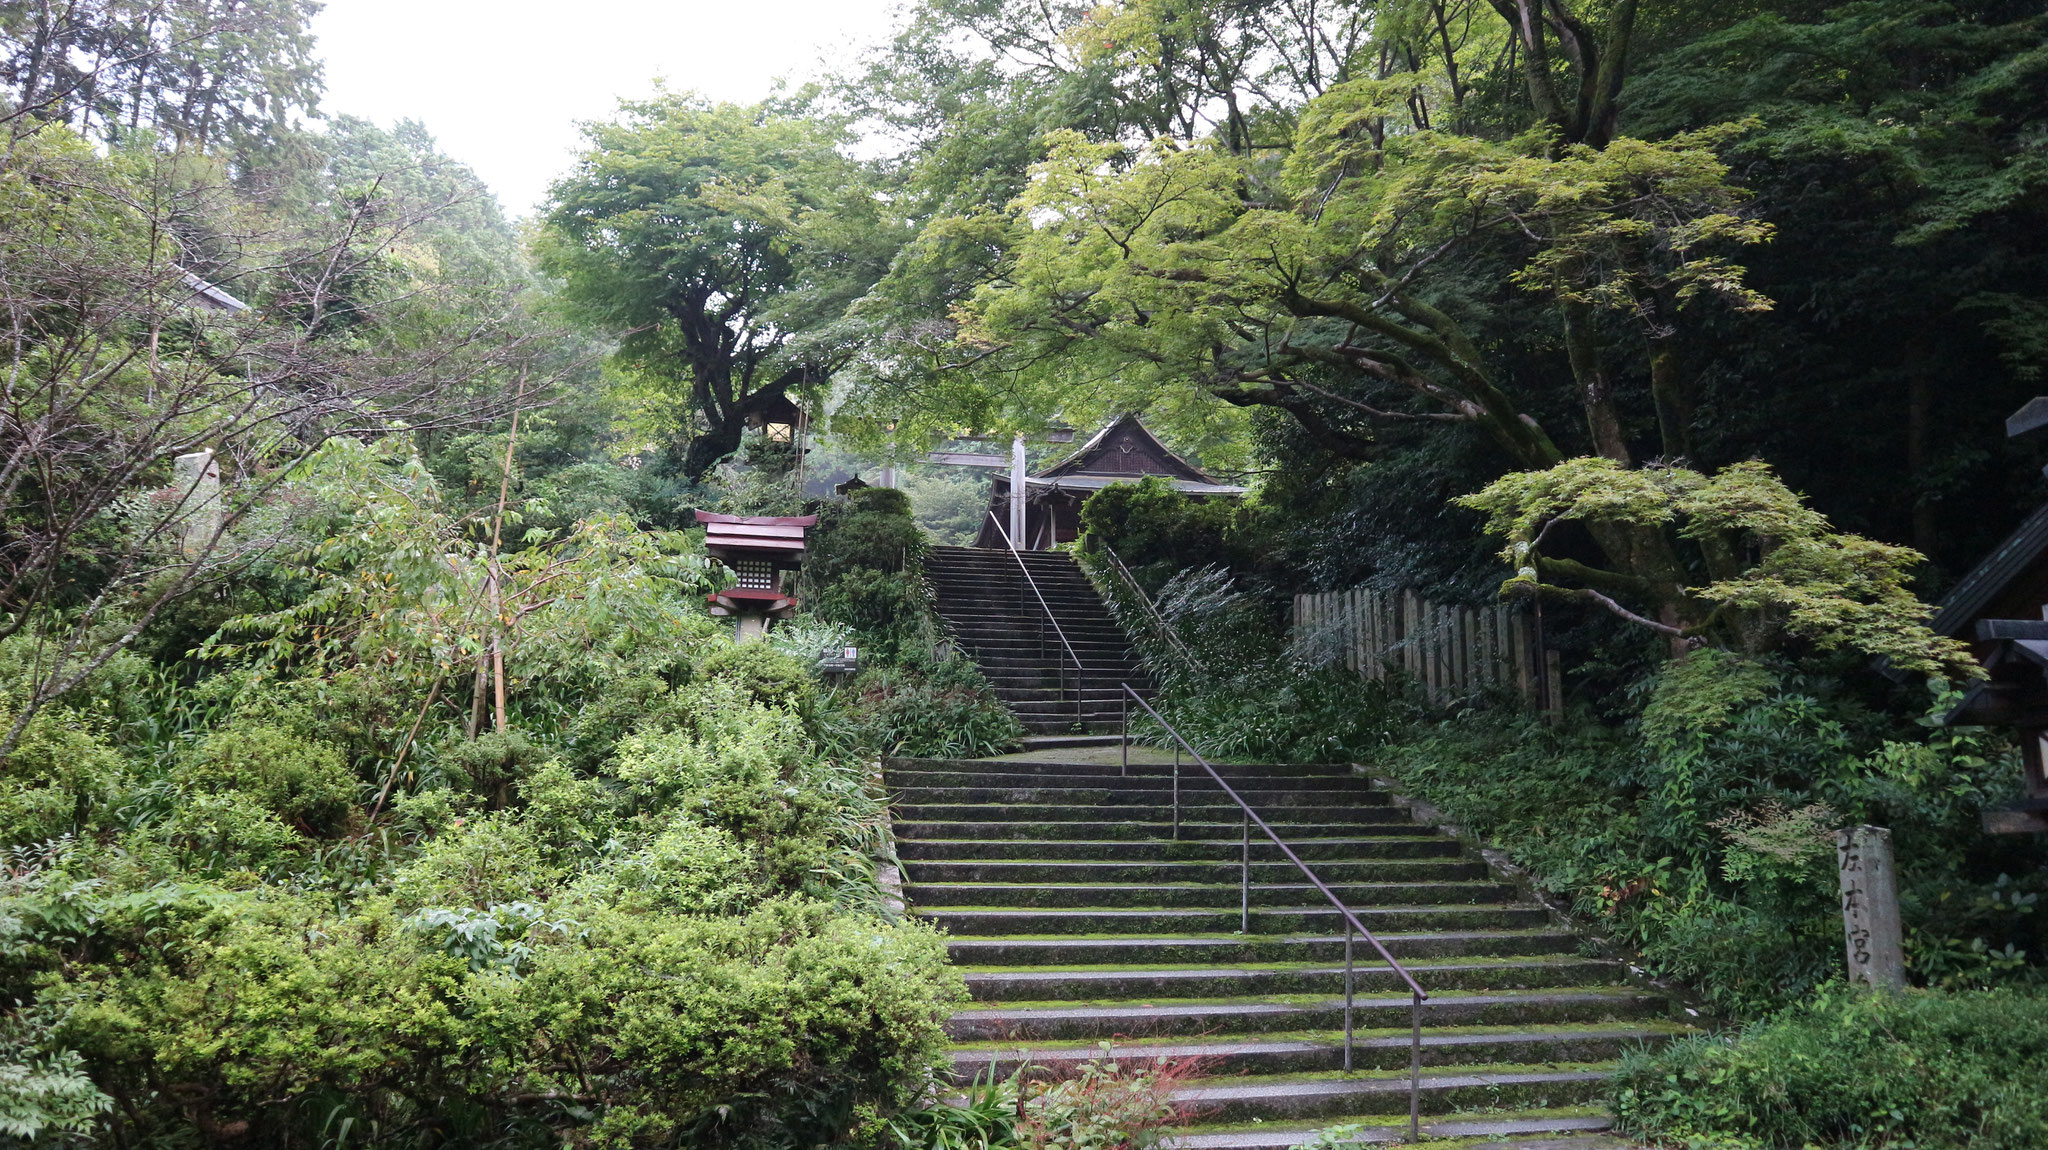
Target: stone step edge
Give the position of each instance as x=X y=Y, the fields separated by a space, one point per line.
x=1080 y=1050
x=1384 y=1129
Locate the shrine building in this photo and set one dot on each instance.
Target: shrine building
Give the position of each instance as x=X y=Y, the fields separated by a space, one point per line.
x=1122 y=452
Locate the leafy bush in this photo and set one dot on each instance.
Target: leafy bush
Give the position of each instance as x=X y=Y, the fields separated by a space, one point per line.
x=773 y=1027
x=1231 y=689
x=871 y=529
x=1105 y=1103
x=1704 y=836
x=1159 y=531
x=296 y=779
x=1852 y=1068
x=889 y=612
x=933 y=710
x=62 y=770
x=770 y=677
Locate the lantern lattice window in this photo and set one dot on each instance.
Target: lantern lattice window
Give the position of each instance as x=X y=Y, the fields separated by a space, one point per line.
x=755 y=574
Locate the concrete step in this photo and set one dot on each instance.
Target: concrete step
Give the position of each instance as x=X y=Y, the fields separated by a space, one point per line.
x=1013 y=631
x=1443 y=1091
x=1163 y=1017
x=1031 y=670
x=1359 y=810
x=1219 y=872
x=1192 y=778
x=1570 y=1129
x=1318 y=1052
x=1231 y=771
x=1105 y=801
x=1147 y=983
x=1221 y=949
x=982 y=922
x=1094 y=698
x=1309 y=850
x=1139 y=826
x=1070 y=743
x=1042 y=894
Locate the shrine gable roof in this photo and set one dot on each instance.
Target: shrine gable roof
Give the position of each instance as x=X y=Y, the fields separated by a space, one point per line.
x=1125 y=448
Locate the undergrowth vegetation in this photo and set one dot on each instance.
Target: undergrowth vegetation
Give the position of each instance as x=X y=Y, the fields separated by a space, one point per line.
x=344 y=878
x=865 y=587
x=1928 y=1069
x=1702 y=833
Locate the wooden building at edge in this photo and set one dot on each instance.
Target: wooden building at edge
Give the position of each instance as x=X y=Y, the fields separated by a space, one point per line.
x=1124 y=451
x=2001 y=609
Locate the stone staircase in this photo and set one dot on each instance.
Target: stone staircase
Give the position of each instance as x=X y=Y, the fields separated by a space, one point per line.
x=1077 y=919
x=989 y=607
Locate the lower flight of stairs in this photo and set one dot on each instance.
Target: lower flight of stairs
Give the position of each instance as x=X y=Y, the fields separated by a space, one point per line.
x=1078 y=919
x=994 y=614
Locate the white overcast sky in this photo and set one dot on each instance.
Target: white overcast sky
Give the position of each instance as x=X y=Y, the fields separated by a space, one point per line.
x=502 y=84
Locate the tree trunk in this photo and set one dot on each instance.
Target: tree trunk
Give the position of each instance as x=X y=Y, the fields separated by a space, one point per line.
x=1596 y=384
x=1673 y=399
x=1919 y=432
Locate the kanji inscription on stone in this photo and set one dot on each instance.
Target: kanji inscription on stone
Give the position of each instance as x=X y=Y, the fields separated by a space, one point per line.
x=1870 y=907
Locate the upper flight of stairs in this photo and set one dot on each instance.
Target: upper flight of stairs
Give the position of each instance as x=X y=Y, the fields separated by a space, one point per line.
x=990 y=609
x=1077 y=919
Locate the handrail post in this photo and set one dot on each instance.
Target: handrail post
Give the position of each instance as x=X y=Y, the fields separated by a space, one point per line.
x=1244 y=895
x=1352 y=927
x=1347 y=993
x=1176 y=791
x=1046 y=620
x=1415 y=1067
x=1125 y=700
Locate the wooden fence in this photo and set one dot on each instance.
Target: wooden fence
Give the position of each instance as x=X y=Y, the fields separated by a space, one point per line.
x=1453 y=651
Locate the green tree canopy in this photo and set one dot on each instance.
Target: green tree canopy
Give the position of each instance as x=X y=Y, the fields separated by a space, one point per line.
x=723 y=243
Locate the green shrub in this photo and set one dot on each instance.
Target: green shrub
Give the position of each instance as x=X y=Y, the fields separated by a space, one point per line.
x=932 y=710
x=888 y=611
x=1703 y=839
x=770 y=677
x=489 y=764
x=1231 y=689
x=60 y=773
x=687 y=869
x=246 y=1007
x=217 y=833
x=299 y=780
x=476 y=862
x=735 y=775
x=1931 y=1070
x=1158 y=531
x=775 y=1028
x=872 y=530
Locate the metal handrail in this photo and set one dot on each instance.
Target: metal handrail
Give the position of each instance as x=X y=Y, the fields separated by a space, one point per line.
x=1131 y=585
x=1351 y=922
x=1080 y=672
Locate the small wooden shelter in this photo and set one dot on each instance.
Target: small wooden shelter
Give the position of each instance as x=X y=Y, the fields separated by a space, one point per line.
x=1125 y=451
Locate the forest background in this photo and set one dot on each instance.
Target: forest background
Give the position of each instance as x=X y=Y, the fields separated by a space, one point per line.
x=1696 y=324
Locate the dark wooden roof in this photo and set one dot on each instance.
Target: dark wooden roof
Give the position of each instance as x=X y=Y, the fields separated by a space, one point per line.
x=2010 y=583
x=1126 y=449
x=755 y=536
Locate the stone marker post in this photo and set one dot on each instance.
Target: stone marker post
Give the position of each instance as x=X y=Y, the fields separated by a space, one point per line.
x=1870 y=907
x=195 y=488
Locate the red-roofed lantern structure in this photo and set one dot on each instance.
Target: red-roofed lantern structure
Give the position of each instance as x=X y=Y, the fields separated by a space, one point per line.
x=759 y=549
